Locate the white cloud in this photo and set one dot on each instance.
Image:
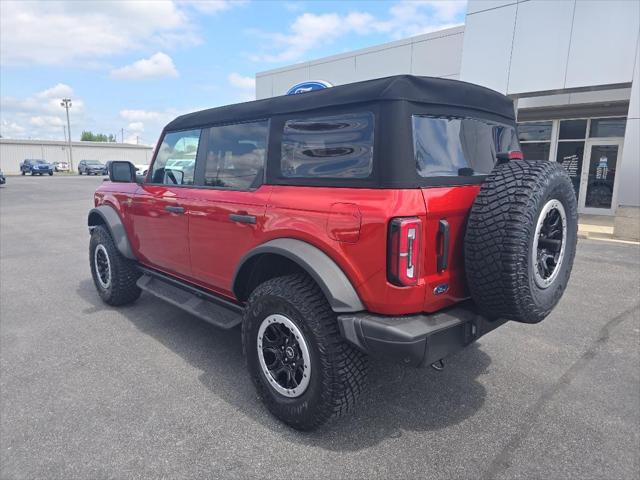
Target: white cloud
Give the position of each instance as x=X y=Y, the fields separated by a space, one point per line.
x=39 y=115
x=57 y=91
x=245 y=86
x=136 y=126
x=406 y=18
x=11 y=129
x=85 y=33
x=158 y=65
x=238 y=81
x=141 y=115
x=212 y=6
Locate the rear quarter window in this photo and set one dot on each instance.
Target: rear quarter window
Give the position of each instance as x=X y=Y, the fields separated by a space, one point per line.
x=339 y=147
x=454 y=146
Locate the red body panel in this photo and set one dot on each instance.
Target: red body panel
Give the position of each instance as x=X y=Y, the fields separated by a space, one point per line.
x=350 y=225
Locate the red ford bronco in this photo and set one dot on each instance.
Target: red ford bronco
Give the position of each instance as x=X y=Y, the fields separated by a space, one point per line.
x=394 y=217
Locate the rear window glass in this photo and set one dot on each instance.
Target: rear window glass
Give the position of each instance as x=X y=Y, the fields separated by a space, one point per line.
x=453 y=146
x=339 y=146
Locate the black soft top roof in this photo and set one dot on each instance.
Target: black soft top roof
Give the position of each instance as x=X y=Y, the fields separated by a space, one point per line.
x=423 y=90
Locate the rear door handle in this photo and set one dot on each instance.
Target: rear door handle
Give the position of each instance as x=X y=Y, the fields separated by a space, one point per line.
x=443 y=258
x=174 y=209
x=242 y=218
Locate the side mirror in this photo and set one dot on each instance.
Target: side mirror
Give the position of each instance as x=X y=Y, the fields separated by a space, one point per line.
x=122 y=172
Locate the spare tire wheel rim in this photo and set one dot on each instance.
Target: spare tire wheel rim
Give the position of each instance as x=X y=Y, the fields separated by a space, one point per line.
x=284 y=355
x=103 y=266
x=549 y=243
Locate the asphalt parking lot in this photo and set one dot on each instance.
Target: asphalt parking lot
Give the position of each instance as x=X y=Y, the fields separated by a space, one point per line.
x=88 y=391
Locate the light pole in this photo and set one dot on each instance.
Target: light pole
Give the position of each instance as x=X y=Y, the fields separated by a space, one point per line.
x=66 y=103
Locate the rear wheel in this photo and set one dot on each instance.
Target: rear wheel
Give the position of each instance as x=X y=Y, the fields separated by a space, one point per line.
x=521 y=240
x=303 y=369
x=114 y=275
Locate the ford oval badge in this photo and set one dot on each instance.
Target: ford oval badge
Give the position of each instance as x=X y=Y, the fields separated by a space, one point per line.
x=441 y=288
x=310 y=86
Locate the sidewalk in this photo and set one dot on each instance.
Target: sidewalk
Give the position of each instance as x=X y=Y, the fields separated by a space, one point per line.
x=599 y=227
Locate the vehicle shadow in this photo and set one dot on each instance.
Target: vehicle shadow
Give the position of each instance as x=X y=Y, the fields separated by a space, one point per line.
x=398 y=399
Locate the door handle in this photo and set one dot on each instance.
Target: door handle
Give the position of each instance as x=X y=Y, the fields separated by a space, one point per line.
x=174 y=209
x=242 y=218
x=443 y=258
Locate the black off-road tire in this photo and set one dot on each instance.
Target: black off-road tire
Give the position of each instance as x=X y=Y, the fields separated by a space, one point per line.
x=499 y=241
x=122 y=288
x=338 y=370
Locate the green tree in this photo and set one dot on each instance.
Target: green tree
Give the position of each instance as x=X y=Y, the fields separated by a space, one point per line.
x=88 y=136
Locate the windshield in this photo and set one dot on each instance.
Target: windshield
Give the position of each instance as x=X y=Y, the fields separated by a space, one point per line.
x=93 y=162
x=455 y=146
x=39 y=161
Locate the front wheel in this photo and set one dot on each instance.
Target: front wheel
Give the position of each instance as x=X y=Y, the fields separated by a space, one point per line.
x=114 y=275
x=50 y=173
x=304 y=371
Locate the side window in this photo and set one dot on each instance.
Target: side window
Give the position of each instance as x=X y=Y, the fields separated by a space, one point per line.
x=339 y=146
x=176 y=159
x=236 y=155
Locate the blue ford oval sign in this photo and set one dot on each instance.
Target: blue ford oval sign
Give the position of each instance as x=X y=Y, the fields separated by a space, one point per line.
x=310 y=86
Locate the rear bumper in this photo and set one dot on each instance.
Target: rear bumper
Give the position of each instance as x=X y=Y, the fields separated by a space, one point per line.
x=416 y=339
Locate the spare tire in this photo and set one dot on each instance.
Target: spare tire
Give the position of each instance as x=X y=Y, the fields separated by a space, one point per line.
x=521 y=240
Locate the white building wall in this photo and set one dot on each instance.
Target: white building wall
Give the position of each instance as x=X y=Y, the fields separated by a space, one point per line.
x=539 y=45
x=435 y=54
x=629 y=170
x=13 y=152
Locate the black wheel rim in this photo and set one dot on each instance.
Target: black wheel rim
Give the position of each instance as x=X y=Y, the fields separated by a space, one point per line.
x=549 y=243
x=102 y=266
x=284 y=355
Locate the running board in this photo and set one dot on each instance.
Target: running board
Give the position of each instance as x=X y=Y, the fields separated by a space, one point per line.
x=203 y=305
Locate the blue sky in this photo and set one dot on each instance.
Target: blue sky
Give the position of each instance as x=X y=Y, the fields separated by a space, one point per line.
x=138 y=64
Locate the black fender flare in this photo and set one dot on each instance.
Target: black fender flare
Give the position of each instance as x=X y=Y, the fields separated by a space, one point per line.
x=107 y=215
x=335 y=285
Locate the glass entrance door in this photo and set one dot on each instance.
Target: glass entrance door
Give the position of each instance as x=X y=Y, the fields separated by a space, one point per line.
x=597 y=192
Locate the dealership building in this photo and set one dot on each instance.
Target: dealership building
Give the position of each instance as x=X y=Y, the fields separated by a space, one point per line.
x=571 y=67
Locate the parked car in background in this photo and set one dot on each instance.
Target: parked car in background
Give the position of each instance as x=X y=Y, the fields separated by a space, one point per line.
x=142 y=169
x=36 y=167
x=91 y=167
x=61 y=166
x=3 y=180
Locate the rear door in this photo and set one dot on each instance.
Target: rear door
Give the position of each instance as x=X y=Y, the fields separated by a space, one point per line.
x=160 y=208
x=227 y=216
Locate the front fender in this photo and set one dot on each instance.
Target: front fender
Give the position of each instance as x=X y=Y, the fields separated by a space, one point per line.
x=106 y=215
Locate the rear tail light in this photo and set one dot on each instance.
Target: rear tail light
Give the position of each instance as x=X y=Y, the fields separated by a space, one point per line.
x=403 y=257
x=510 y=155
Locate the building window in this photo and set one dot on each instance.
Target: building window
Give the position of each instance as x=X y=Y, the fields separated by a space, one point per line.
x=573 y=129
x=535 y=139
x=607 y=127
